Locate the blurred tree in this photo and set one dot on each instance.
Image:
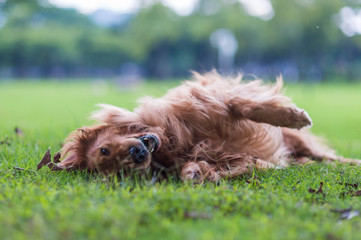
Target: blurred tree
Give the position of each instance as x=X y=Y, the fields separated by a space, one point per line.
x=38 y=39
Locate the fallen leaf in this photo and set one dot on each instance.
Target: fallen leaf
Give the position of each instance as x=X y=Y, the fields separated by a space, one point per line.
x=5 y=142
x=346 y=214
x=56 y=158
x=349 y=215
x=318 y=191
x=45 y=160
x=18 y=132
x=197 y=215
x=330 y=236
x=19 y=168
x=23 y=169
x=53 y=167
x=341 y=210
x=356 y=193
x=351 y=193
x=353 y=185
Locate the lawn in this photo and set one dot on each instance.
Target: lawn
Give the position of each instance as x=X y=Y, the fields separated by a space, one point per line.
x=274 y=204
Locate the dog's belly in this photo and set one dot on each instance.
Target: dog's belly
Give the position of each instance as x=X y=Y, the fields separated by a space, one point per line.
x=269 y=146
x=258 y=140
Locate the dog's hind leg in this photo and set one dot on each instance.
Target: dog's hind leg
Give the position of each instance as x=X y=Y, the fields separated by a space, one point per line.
x=306 y=147
x=272 y=111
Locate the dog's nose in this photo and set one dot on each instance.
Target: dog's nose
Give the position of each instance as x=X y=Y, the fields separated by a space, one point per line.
x=138 y=153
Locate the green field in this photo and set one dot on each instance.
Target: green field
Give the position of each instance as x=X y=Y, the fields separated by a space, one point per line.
x=275 y=204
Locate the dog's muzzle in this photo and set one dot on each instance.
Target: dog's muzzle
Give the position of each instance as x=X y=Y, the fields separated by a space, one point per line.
x=139 y=154
x=150 y=144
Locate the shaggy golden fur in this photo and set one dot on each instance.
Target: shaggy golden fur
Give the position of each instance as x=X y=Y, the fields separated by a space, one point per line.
x=208 y=128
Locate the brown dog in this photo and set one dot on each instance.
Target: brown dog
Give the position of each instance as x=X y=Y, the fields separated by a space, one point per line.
x=208 y=128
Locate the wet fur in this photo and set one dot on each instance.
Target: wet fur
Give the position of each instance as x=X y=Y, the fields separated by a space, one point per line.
x=208 y=128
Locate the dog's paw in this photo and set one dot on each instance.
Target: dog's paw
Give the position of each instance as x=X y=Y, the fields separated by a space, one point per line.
x=192 y=172
x=208 y=172
x=297 y=118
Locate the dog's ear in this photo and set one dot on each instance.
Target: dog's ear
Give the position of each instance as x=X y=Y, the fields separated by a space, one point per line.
x=70 y=150
x=76 y=146
x=113 y=115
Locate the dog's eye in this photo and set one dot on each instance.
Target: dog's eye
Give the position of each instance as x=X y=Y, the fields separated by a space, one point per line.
x=104 y=152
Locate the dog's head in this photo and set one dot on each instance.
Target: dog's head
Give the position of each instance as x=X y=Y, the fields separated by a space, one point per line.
x=110 y=148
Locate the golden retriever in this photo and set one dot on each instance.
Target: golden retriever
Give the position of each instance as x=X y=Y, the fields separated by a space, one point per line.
x=205 y=129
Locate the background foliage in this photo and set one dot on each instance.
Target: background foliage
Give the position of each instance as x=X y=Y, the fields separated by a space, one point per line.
x=302 y=40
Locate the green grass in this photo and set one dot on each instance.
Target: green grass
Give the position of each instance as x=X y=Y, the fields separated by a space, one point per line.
x=275 y=204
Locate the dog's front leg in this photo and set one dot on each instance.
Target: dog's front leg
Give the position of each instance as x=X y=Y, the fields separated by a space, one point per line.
x=197 y=172
x=271 y=111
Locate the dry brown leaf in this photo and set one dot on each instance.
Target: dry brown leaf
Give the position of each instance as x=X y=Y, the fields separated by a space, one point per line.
x=5 y=142
x=197 y=215
x=351 y=193
x=19 y=168
x=18 y=132
x=53 y=167
x=353 y=185
x=56 y=158
x=318 y=191
x=347 y=213
x=23 y=169
x=45 y=160
x=356 y=193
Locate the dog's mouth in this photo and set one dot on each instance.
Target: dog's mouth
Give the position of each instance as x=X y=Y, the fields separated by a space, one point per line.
x=141 y=153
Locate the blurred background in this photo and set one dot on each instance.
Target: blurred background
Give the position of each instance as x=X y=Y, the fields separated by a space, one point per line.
x=305 y=40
